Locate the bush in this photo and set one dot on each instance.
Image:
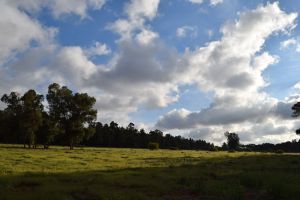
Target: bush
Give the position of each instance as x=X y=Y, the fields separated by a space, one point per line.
x=174 y=148
x=153 y=145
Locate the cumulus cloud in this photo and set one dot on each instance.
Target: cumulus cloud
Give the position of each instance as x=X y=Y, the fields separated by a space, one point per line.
x=137 y=9
x=232 y=69
x=218 y=115
x=145 y=72
x=18 y=31
x=138 y=12
x=59 y=7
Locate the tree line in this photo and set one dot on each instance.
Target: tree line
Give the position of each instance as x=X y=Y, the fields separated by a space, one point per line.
x=70 y=119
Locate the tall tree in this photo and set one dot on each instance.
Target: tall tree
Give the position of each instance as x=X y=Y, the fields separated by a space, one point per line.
x=233 y=140
x=31 y=116
x=296 y=113
x=74 y=112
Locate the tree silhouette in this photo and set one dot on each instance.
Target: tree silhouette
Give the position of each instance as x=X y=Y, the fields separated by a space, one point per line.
x=233 y=140
x=296 y=113
x=11 y=118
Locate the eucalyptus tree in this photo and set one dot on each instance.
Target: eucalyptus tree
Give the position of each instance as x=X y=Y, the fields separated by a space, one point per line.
x=31 y=117
x=74 y=113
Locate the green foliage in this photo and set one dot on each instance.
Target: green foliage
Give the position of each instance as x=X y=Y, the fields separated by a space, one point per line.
x=73 y=112
x=23 y=116
x=11 y=117
x=233 y=140
x=153 y=146
x=47 y=131
x=31 y=117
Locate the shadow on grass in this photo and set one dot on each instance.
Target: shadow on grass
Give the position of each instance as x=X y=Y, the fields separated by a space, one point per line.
x=248 y=177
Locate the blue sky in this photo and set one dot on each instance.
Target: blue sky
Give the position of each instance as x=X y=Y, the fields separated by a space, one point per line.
x=196 y=68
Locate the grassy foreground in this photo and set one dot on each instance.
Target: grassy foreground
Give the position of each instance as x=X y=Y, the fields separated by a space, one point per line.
x=107 y=173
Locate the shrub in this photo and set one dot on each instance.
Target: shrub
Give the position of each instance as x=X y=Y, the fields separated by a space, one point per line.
x=153 y=145
x=174 y=148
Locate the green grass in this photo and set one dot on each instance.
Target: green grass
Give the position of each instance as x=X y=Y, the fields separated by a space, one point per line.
x=108 y=173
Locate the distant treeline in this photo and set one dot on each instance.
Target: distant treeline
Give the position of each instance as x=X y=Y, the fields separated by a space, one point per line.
x=114 y=136
x=292 y=147
x=70 y=119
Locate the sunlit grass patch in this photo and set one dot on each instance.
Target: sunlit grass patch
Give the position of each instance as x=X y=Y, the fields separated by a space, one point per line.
x=110 y=173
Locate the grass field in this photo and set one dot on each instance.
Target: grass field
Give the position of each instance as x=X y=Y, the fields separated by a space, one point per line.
x=108 y=173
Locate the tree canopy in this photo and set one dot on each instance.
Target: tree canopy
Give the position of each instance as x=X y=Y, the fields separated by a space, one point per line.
x=233 y=140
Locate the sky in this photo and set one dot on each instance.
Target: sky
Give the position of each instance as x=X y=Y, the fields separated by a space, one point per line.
x=195 y=68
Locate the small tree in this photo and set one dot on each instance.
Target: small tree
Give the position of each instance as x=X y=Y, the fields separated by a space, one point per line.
x=233 y=140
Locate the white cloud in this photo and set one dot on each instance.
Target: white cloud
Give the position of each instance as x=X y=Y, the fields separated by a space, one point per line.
x=184 y=31
x=137 y=12
x=145 y=37
x=297 y=85
x=232 y=69
x=215 y=2
x=59 y=7
x=292 y=42
x=196 y=1
x=98 y=49
x=144 y=71
x=18 y=31
x=288 y=43
x=212 y=2
x=137 y=9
